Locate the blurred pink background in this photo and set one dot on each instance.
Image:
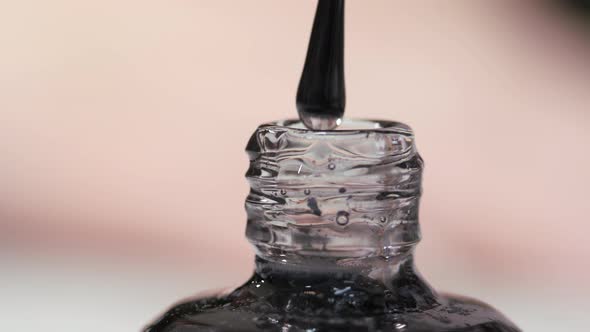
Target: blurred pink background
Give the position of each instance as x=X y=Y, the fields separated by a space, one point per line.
x=123 y=124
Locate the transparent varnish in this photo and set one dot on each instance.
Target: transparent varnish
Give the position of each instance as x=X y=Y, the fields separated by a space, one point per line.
x=334 y=221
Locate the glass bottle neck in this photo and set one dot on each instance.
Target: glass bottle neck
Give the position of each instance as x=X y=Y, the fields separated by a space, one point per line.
x=376 y=268
x=344 y=200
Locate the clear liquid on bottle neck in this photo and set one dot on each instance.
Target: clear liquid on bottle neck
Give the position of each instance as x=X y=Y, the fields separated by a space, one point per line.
x=333 y=198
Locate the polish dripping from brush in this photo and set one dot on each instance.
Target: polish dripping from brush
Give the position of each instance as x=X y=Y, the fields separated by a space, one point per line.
x=321 y=96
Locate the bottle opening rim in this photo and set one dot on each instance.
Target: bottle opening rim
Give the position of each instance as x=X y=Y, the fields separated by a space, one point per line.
x=348 y=126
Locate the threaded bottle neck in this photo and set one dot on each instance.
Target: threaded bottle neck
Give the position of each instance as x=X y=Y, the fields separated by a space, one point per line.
x=333 y=196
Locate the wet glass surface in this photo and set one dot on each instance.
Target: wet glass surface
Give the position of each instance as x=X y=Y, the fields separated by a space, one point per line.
x=333 y=216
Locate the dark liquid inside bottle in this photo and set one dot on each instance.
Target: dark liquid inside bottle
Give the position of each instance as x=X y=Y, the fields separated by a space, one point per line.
x=275 y=300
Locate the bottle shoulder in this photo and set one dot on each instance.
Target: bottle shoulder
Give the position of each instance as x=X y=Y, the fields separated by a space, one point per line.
x=461 y=313
x=259 y=307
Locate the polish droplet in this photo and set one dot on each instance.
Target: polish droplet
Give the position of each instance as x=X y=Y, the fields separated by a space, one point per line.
x=307 y=191
x=383 y=219
x=342 y=190
x=331 y=166
x=342 y=218
x=283 y=192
